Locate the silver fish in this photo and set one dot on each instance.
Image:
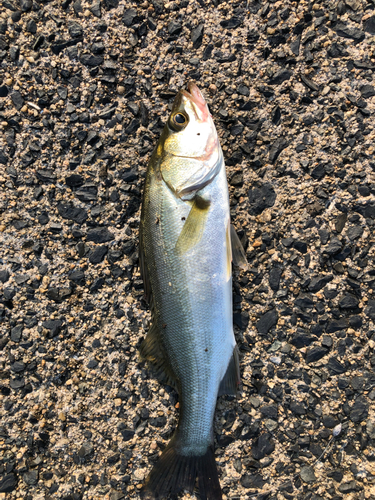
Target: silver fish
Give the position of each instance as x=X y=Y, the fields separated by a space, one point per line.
x=185 y=258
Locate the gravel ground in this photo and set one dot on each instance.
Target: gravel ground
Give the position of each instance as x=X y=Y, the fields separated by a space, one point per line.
x=84 y=91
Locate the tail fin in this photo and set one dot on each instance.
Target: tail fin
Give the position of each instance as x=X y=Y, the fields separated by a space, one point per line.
x=174 y=473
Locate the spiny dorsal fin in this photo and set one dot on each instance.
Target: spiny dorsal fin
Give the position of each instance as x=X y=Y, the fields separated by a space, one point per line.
x=152 y=351
x=193 y=228
x=232 y=378
x=238 y=253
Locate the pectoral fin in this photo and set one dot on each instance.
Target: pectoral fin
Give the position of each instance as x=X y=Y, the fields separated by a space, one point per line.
x=193 y=228
x=238 y=253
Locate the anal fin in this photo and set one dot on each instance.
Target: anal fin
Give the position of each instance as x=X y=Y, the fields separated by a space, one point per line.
x=232 y=378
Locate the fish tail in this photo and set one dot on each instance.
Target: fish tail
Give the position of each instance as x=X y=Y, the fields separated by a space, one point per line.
x=174 y=473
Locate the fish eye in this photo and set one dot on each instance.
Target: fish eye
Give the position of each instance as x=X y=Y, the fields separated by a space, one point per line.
x=178 y=121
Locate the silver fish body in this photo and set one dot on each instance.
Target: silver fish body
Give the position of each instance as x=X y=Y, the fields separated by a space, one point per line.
x=186 y=264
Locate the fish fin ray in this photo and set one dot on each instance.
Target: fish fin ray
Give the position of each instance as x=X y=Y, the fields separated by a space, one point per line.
x=174 y=473
x=151 y=350
x=193 y=228
x=238 y=252
x=143 y=268
x=232 y=378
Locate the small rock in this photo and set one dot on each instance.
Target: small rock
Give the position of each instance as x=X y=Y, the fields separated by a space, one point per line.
x=8 y=483
x=97 y=255
x=263 y=446
x=307 y=474
x=31 y=477
x=86 y=449
x=267 y=321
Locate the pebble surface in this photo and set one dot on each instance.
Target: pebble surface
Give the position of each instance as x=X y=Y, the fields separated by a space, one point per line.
x=85 y=87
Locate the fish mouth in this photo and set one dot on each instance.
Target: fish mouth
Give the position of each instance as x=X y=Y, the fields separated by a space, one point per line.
x=194 y=94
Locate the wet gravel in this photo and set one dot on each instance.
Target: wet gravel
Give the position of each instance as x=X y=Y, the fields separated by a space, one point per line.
x=84 y=90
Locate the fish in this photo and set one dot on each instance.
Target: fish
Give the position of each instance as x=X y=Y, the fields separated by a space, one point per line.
x=187 y=244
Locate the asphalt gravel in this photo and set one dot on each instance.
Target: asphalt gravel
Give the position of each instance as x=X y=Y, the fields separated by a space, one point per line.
x=85 y=88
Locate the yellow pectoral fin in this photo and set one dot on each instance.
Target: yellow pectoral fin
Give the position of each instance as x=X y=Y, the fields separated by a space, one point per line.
x=194 y=226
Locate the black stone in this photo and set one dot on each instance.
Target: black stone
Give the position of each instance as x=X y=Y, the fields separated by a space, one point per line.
x=269 y=411
x=3 y=158
x=348 y=302
x=74 y=180
x=26 y=5
x=92 y=363
x=340 y=222
x=348 y=487
x=336 y=325
x=304 y=300
x=329 y=421
x=318 y=172
x=31 y=26
x=129 y=16
x=17 y=383
x=297 y=408
x=75 y=29
x=232 y=23
x=261 y=198
x=335 y=366
x=46 y=176
x=174 y=28
x=367 y=91
x=99 y=235
x=17 y=100
x=31 y=477
x=300 y=340
x=3 y=91
x=354 y=232
x=197 y=36
x=369 y=25
x=8 y=483
x=4 y=275
x=96 y=8
x=300 y=246
x=280 y=77
x=86 y=449
x=97 y=255
x=267 y=321
x=253 y=481
x=90 y=60
x=319 y=282
x=308 y=82
x=16 y=333
x=359 y=411
x=315 y=354
x=347 y=32
x=276 y=148
x=274 y=278
x=263 y=446
x=333 y=247
x=77 y=277
x=87 y=192
x=78 y=215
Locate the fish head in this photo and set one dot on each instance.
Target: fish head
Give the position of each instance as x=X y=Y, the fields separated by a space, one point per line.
x=189 y=146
